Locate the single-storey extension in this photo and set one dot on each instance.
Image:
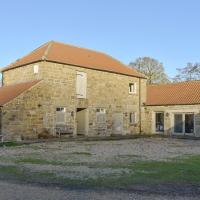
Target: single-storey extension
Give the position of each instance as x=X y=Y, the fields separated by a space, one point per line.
x=173 y=109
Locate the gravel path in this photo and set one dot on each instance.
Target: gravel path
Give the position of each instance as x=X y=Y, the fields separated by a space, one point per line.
x=13 y=191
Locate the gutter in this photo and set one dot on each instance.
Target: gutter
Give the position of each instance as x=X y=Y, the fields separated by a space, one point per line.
x=2 y=79
x=74 y=65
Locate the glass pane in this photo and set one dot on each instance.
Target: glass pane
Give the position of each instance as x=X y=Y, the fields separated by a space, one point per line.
x=160 y=122
x=189 y=123
x=178 y=123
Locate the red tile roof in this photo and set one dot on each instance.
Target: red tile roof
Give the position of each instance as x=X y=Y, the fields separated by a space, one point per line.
x=184 y=93
x=67 y=54
x=8 y=93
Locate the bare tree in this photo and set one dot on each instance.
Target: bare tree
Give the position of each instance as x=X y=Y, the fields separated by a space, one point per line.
x=188 y=73
x=152 y=68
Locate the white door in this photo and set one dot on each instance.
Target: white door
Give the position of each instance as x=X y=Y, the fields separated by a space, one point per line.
x=117 y=123
x=82 y=121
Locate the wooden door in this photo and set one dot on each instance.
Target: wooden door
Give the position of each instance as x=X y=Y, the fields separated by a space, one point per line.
x=117 y=123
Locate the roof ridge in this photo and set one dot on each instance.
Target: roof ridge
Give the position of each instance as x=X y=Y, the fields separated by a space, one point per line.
x=100 y=60
x=44 y=57
x=99 y=52
x=28 y=53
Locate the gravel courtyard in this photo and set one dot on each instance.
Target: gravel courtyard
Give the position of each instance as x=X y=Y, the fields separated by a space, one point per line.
x=71 y=159
x=92 y=163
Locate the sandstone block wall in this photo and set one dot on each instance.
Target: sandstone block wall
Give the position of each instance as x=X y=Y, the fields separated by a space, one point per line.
x=58 y=89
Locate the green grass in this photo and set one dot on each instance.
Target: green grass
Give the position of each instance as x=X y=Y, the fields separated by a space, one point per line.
x=9 y=144
x=39 y=161
x=180 y=170
x=185 y=170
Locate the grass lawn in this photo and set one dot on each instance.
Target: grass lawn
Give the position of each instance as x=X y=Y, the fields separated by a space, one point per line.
x=178 y=171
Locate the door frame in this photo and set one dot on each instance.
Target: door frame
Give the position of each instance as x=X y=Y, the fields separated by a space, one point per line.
x=183 y=117
x=114 y=132
x=86 y=120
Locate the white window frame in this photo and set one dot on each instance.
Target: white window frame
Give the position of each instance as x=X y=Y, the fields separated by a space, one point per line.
x=36 y=69
x=132 y=88
x=60 y=110
x=183 y=120
x=133 y=118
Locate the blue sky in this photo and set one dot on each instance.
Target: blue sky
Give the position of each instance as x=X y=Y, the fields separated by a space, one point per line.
x=168 y=30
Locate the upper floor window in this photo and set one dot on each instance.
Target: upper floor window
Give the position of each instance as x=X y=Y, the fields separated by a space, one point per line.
x=81 y=84
x=132 y=88
x=36 y=69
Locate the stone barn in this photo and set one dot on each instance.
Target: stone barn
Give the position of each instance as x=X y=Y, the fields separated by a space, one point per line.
x=62 y=89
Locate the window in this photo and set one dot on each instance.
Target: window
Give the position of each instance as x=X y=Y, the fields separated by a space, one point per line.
x=189 y=123
x=81 y=84
x=132 y=118
x=36 y=69
x=132 y=88
x=101 y=118
x=101 y=110
x=178 y=123
x=184 y=123
x=60 y=115
x=160 y=122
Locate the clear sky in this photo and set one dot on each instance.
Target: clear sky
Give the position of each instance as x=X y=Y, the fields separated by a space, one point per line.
x=168 y=30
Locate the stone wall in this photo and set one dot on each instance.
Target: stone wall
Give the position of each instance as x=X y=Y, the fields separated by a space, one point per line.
x=58 y=89
x=23 y=116
x=21 y=74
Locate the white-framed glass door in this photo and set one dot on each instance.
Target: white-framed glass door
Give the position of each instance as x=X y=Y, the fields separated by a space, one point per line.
x=184 y=123
x=159 y=122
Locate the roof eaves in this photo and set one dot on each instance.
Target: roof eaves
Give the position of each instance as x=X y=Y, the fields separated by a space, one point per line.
x=10 y=68
x=137 y=76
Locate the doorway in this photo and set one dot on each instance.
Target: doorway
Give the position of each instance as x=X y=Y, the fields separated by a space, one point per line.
x=82 y=121
x=159 y=117
x=117 y=123
x=184 y=123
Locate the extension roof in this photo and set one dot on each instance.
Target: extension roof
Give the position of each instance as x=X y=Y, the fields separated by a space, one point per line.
x=8 y=93
x=183 y=93
x=66 y=54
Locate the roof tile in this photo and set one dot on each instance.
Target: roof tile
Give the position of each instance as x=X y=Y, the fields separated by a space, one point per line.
x=174 y=94
x=8 y=93
x=77 y=56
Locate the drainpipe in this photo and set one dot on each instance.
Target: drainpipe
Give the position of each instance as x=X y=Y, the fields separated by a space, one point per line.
x=1 y=79
x=1 y=123
x=140 y=117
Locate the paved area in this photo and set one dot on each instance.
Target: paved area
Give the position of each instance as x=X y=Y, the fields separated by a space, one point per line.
x=11 y=191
